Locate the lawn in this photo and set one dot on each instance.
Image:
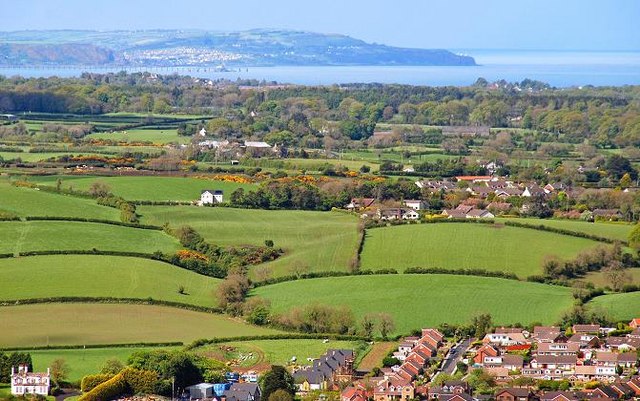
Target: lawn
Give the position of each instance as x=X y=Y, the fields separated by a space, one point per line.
x=624 y=306
x=31 y=202
x=160 y=136
x=466 y=245
x=78 y=324
x=616 y=231
x=148 y=188
x=102 y=276
x=317 y=241
x=417 y=301
x=82 y=362
x=19 y=236
x=262 y=353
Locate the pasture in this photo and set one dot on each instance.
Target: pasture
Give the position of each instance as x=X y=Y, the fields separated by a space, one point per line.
x=263 y=353
x=102 y=276
x=148 y=188
x=32 y=202
x=625 y=306
x=82 y=362
x=599 y=279
x=157 y=136
x=613 y=230
x=313 y=241
x=467 y=245
x=417 y=301
x=22 y=236
x=79 y=324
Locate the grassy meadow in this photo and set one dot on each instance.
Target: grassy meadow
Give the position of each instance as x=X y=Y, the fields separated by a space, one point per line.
x=465 y=245
x=319 y=241
x=78 y=324
x=599 y=279
x=147 y=188
x=32 y=202
x=22 y=236
x=613 y=230
x=426 y=300
x=102 y=276
x=625 y=306
x=82 y=362
x=157 y=136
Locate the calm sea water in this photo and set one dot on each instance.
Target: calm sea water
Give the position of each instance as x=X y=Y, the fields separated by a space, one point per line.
x=561 y=69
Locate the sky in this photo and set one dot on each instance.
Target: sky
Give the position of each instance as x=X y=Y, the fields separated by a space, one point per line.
x=453 y=24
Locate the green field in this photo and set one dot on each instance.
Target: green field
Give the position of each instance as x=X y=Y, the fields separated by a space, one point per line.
x=466 y=245
x=272 y=352
x=148 y=188
x=19 y=236
x=624 y=306
x=102 y=276
x=317 y=240
x=159 y=136
x=616 y=231
x=31 y=202
x=78 y=324
x=82 y=362
x=426 y=300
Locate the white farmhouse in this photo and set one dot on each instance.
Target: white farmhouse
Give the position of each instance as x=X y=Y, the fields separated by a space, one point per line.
x=25 y=382
x=209 y=197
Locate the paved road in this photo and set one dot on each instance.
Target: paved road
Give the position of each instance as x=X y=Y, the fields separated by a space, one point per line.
x=454 y=356
x=68 y=392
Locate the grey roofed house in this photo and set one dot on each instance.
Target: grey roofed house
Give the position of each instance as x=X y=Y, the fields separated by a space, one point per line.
x=243 y=392
x=323 y=368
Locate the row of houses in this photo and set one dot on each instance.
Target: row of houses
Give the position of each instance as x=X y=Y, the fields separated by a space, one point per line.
x=397 y=382
x=588 y=354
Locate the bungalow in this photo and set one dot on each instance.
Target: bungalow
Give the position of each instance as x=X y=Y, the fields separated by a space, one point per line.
x=360 y=203
x=558 y=349
x=589 y=341
x=622 y=390
x=514 y=394
x=634 y=323
x=467 y=212
x=530 y=191
x=607 y=214
x=209 y=197
x=397 y=213
x=474 y=178
x=586 y=328
x=623 y=343
x=560 y=362
x=505 y=339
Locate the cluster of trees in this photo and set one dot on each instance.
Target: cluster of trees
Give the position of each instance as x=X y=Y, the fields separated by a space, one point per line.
x=7 y=360
x=184 y=367
x=612 y=260
x=214 y=260
x=330 y=116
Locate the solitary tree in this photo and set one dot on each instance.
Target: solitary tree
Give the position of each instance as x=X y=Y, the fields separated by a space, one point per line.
x=59 y=371
x=386 y=324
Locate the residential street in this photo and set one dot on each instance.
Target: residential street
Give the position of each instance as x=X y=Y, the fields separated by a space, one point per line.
x=455 y=355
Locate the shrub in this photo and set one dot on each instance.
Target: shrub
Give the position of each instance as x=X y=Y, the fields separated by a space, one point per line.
x=89 y=382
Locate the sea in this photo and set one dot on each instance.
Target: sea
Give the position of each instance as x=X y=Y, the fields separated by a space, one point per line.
x=557 y=68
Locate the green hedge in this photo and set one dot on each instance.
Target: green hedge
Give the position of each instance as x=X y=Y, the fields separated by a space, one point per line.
x=461 y=272
x=302 y=336
x=110 y=300
x=112 y=388
x=89 y=382
x=100 y=221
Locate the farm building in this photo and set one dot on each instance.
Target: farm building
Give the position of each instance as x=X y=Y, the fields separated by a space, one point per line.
x=209 y=197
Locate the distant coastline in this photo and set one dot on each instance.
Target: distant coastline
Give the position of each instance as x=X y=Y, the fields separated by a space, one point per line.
x=559 y=69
